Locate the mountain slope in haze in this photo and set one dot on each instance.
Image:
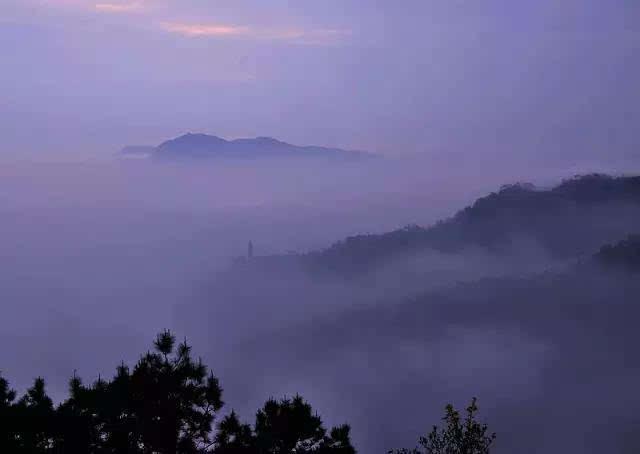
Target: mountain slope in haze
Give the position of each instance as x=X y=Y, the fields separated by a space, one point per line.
x=564 y=222
x=559 y=340
x=624 y=255
x=200 y=146
x=559 y=343
x=606 y=280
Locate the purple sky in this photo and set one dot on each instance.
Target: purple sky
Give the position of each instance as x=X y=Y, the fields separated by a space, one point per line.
x=551 y=77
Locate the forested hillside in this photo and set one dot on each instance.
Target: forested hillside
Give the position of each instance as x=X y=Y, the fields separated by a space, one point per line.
x=566 y=221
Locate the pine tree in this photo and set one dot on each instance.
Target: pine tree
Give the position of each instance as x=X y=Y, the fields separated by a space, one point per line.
x=284 y=426
x=173 y=399
x=457 y=437
x=35 y=415
x=234 y=437
x=8 y=428
x=77 y=428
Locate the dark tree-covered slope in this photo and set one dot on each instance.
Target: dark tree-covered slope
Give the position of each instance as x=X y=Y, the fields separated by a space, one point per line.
x=623 y=255
x=567 y=221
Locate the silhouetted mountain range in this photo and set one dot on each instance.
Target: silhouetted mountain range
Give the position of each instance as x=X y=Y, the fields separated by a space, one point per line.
x=198 y=146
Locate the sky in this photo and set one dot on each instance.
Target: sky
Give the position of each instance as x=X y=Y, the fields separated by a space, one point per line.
x=545 y=78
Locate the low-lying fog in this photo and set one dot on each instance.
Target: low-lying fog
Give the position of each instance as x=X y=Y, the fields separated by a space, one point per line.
x=97 y=257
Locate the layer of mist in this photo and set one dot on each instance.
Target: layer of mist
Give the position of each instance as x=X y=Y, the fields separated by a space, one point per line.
x=100 y=256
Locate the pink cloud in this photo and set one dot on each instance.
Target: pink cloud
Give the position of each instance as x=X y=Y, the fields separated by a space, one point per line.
x=205 y=30
x=301 y=36
x=118 y=7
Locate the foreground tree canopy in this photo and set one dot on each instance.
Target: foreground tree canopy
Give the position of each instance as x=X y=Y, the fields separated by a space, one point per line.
x=167 y=405
x=458 y=436
x=285 y=426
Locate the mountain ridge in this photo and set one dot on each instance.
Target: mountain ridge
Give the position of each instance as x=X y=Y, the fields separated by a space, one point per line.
x=199 y=146
x=566 y=222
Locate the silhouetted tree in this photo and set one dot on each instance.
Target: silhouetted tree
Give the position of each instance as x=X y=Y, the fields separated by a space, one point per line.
x=77 y=424
x=459 y=436
x=173 y=399
x=34 y=413
x=285 y=426
x=234 y=437
x=165 y=405
x=7 y=395
x=120 y=429
x=8 y=427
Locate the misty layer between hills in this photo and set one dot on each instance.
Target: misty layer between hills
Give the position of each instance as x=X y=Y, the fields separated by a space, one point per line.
x=509 y=299
x=378 y=330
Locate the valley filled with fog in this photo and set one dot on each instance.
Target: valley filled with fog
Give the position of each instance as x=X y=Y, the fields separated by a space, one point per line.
x=99 y=256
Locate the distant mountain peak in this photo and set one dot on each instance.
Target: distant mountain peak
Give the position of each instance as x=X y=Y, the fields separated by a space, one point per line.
x=199 y=145
x=191 y=137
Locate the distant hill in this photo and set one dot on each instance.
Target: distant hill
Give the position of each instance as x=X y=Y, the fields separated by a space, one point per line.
x=566 y=222
x=202 y=146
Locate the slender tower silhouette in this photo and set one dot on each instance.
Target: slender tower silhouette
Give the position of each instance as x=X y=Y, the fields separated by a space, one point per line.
x=250 y=250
